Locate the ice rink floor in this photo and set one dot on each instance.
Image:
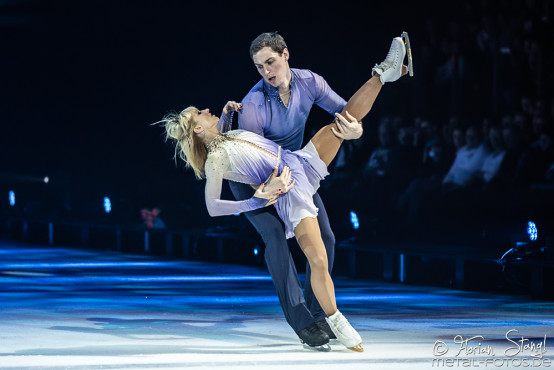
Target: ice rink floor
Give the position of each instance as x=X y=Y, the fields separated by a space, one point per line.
x=86 y=309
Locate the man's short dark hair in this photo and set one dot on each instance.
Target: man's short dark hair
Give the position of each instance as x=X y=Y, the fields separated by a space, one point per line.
x=268 y=39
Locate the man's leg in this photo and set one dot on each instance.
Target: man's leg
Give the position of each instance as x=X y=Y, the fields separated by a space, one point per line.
x=329 y=242
x=278 y=259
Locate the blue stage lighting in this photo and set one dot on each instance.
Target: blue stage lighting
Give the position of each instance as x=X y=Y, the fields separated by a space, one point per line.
x=255 y=251
x=532 y=231
x=107 y=205
x=12 y=198
x=354 y=220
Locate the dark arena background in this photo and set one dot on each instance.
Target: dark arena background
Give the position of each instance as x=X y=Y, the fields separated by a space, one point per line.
x=109 y=259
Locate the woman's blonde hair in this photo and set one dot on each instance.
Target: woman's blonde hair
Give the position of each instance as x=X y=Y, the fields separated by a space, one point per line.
x=188 y=146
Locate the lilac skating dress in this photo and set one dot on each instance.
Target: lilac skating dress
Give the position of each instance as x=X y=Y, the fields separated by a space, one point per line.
x=249 y=158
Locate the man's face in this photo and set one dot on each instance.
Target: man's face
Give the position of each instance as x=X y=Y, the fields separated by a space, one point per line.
x=272 y=66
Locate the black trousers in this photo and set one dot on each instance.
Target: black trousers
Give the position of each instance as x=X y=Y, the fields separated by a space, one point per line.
x=300 y=310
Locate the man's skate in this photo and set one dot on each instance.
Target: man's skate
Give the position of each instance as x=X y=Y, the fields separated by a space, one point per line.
x=314 y=339
x=324 y=327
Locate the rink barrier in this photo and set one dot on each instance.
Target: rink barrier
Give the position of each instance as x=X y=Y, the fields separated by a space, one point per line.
x=460 y=267
x=216 y=244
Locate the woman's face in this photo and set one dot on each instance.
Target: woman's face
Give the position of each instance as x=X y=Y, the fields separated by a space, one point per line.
x=205 y=121
x=274 y=68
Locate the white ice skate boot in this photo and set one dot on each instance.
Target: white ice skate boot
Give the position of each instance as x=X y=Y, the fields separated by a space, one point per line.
x=390 y=69
x=345 y=332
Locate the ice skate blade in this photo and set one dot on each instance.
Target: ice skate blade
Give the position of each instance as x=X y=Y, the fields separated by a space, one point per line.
x=322 y=348
x=406 y=39
x=356 y=348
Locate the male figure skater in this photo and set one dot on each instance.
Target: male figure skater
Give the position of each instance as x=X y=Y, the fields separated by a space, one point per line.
x=277 y=108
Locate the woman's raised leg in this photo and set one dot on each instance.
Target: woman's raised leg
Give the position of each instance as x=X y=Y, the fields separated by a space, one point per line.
x=326 y=143
x=359 y=105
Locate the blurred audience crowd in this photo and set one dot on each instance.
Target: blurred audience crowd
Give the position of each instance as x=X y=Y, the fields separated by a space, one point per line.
x=482 y=152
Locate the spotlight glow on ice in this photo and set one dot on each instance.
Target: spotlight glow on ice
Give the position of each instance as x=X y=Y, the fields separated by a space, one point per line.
x=354 y=220
x=12 y=198
x=532 y=231
x=107 y=205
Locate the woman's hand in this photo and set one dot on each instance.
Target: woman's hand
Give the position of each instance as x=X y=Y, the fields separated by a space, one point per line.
x=347 y=130
x=281 y=182
x=270 y=195
x=275 y=186
x=232 y=106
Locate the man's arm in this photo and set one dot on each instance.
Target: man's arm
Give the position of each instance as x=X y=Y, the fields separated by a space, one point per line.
x=325 y=97
x=329 y=100
x=226 y=119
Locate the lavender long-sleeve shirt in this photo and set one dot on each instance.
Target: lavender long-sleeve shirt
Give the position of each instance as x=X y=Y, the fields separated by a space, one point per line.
x=264 y=113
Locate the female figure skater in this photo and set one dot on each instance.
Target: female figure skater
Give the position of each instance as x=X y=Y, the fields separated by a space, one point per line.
x=204 y=143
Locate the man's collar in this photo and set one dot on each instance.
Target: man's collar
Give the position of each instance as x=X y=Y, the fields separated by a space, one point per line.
x=270 y=90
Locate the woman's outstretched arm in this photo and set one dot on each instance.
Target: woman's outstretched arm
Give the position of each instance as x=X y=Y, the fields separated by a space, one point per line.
x=214 y=168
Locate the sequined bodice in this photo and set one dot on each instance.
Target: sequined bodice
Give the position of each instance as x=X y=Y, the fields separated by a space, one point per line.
x=220 y=139
x=242 y=156
x=215 y=142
